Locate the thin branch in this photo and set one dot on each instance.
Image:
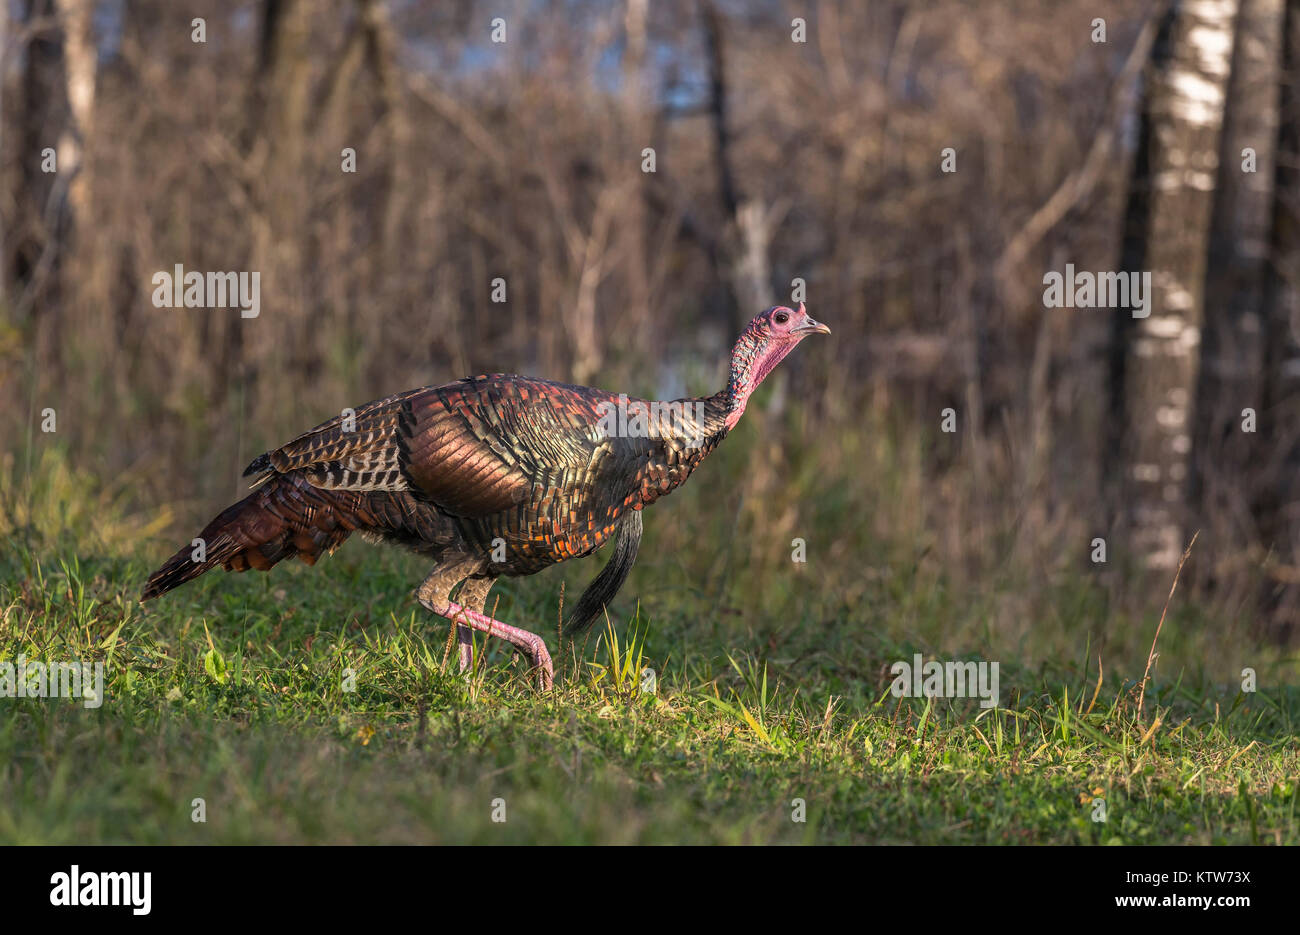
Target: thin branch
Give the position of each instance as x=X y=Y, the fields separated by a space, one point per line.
x=1080 y=183
x=1151 y=656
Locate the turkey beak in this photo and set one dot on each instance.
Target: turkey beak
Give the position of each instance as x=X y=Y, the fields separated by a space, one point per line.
x=812 y=327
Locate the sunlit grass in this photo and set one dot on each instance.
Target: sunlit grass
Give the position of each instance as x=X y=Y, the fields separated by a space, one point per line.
x=323 y=704
x=233 y=691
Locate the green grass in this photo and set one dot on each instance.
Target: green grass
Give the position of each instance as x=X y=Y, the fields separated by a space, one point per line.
x=231 y=690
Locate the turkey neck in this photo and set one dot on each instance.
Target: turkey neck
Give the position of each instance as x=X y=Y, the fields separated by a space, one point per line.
x=684 y=431
x=752 y=359
x=672 y=439
x=710 y=419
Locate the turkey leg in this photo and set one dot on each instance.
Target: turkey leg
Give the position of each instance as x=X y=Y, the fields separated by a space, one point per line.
x=473 y=594
x=432 y=594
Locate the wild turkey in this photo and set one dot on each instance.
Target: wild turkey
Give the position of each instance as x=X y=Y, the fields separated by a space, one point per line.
x=488 y=476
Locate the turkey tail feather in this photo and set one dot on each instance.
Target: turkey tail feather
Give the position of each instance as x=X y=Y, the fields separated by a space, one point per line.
x=277 y=521
x=606 y=584
x=237 y=532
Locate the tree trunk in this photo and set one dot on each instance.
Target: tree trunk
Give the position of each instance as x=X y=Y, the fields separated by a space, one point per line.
x=80 y=62
x=1233 y=337
x=750 y=222
x=1168 y=218
x=33 y=113
x=1279 y=428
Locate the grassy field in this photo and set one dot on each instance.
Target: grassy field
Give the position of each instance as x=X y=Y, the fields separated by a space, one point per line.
x=233 y=692
x=773 y=685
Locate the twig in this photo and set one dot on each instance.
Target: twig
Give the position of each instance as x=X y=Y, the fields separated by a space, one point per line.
x=1151 y=656
x=1096 y=691
x=451 y=640
x=560 y=633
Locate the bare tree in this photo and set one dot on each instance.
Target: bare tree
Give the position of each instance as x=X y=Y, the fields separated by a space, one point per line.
x=782 y=153
x=1232 y=340
x=751 y=222
x=80 y=61
x=34 y=118
x=1279 y=443
x=1167 y=233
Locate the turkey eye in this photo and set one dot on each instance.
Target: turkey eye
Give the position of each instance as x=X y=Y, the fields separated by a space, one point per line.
x=782 y=318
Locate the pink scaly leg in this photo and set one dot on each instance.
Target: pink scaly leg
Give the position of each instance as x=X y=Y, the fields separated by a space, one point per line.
x=465 y=639
x=433 y=595
x=473 y=594
x=530 y=644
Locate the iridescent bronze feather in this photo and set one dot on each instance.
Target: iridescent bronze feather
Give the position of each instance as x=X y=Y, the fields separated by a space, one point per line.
x=491 y=475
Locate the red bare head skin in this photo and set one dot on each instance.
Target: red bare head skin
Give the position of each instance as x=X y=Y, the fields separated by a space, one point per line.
x=785 y=324
x=762 y=345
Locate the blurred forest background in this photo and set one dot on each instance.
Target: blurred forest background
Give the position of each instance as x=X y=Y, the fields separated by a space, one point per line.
x=1108 y=134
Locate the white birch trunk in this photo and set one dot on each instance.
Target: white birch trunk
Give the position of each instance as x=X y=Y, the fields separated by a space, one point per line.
x=1187 y=86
